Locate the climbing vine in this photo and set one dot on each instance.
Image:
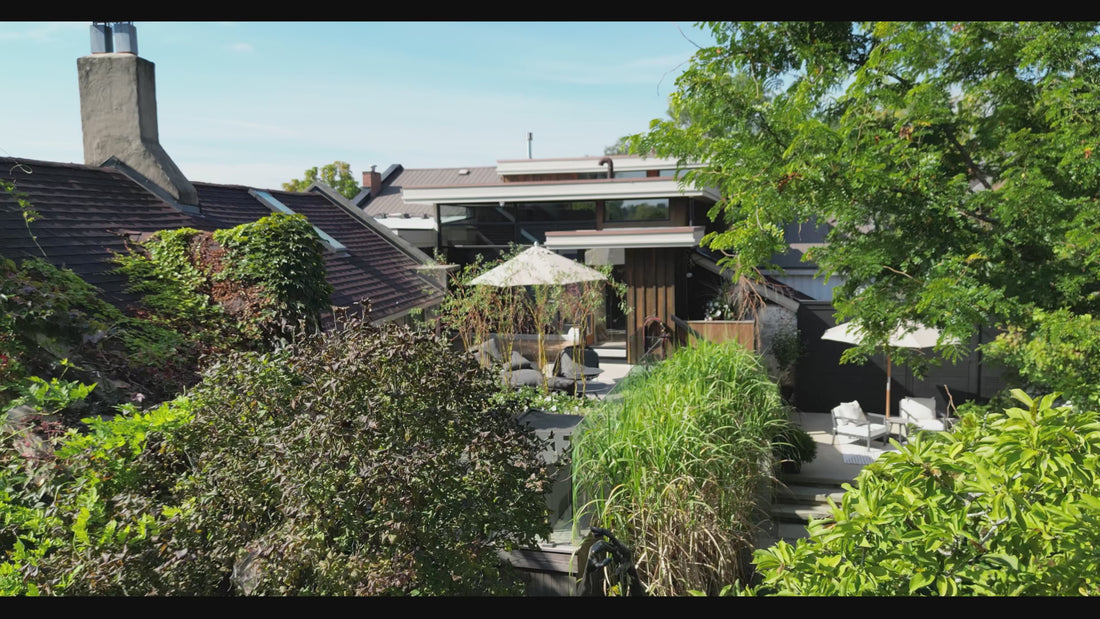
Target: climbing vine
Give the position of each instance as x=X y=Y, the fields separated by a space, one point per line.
x=234 y=288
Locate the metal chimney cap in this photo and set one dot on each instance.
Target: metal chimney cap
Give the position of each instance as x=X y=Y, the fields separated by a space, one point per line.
x=125 y=38
x=101 y=38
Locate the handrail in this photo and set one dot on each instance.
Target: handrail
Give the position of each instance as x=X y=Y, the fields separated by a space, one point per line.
x=683 y=327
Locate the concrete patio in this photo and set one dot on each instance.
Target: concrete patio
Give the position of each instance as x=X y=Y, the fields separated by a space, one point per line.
x=829 y=465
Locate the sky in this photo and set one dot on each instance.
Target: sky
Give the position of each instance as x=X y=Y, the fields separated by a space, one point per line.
x=257 y=103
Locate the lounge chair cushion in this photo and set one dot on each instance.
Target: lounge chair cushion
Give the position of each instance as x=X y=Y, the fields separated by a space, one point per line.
x=522 y=377
x=487 y=353
x=919 y=409
x=572 y=370
x=851 y=412
x=860 y=428
x=534 y=378
x=921 y=414
x=519 y=362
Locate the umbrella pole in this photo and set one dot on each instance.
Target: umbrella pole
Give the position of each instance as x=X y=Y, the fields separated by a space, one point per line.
x=887 y=383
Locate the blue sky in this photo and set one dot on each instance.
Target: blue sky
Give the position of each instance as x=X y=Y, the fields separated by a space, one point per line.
x=256 y=103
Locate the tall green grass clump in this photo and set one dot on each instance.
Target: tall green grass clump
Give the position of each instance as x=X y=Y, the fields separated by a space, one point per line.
x=674 y=466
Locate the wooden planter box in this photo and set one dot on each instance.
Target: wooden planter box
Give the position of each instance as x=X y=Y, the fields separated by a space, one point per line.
x=718 y=331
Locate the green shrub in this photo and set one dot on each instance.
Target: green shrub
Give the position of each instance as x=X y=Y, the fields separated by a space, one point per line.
x=52 y=322
x=674 y=467
x=357 y=461
x=793 y=444
x=1007 y=504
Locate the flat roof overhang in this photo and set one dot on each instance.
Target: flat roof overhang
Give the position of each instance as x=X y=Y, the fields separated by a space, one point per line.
x=407 y=223
x=625 y=238
x=553 y=191
x=623 y=163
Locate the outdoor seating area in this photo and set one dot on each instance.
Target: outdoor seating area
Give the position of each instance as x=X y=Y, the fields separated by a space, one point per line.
x=575 y=370
x=850 y=420
x=921 y=414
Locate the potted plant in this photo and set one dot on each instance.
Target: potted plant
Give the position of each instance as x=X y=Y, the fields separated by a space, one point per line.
x=792 y=447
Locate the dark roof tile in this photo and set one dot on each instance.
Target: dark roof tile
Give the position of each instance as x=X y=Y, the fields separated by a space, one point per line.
x=86 y=214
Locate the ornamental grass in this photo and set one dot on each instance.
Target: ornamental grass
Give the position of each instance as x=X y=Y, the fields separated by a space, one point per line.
x=674 y=467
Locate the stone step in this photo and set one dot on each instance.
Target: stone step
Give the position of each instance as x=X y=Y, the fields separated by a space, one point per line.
x=789 y=512
x=610 y=351
x=789 y=532
x=808 y=494
x=793 y=479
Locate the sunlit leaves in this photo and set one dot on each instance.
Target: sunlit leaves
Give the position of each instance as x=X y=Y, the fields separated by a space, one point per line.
x=1005 y=506
x=922 y=145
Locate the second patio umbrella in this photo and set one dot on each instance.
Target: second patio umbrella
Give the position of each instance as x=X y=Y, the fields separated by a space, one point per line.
x=910 y=335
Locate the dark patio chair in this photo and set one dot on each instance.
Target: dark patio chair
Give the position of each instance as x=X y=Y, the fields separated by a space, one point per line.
x=568 y=367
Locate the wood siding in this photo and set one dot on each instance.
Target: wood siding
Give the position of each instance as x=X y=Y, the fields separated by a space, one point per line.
x=651 y=291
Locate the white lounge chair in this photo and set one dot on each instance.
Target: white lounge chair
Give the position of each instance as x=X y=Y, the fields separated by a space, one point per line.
x=850 y=420
x=920 y=414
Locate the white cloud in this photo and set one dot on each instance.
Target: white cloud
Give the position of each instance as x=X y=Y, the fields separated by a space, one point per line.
x=245 y=48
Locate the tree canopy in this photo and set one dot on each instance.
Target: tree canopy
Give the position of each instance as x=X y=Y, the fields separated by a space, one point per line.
x=337 y=175
x=953 y=163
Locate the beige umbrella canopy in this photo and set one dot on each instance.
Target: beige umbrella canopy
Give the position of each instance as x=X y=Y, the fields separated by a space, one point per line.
x=910 y=335
x=537 y=266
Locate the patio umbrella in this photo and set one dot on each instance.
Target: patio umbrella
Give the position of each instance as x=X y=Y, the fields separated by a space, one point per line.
x=537 y=266
x=910 y=335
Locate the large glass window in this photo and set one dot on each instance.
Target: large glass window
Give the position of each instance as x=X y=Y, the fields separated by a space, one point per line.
x=556 y=211
x=649 y=209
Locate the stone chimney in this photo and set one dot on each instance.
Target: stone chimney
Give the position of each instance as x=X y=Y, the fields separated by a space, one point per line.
x=118 y=111
x=373 y=180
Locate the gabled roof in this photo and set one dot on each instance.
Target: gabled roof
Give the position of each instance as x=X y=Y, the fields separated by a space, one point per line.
x=85 y=214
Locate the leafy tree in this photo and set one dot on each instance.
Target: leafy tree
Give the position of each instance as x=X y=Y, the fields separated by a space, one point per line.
x=620 y=147
x=361 y=460
x=953 y=162
x=1005 y=505
x=336 y=175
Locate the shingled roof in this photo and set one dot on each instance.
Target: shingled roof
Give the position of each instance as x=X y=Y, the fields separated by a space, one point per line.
x=86 y=213
x=390 y=202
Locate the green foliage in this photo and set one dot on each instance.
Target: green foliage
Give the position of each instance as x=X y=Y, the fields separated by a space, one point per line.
x=232 y=288
x=1004 y=505
x=84 y=495
x=25 y=207
x=53 y=322
x=1060 y=349
x=675 y=465
x=954 y=163
x=356 y=461
x=793 y=444
x=475 y=312
x=284 y=256
x=51 y=396
x=337 y=175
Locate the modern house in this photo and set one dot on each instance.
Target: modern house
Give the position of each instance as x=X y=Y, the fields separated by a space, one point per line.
x=128 y=187
x=627 y=211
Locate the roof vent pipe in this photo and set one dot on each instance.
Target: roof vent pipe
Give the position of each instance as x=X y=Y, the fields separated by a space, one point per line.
x=101 y=38
x=530 y=136
x=125 y=38
x=610 y=166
